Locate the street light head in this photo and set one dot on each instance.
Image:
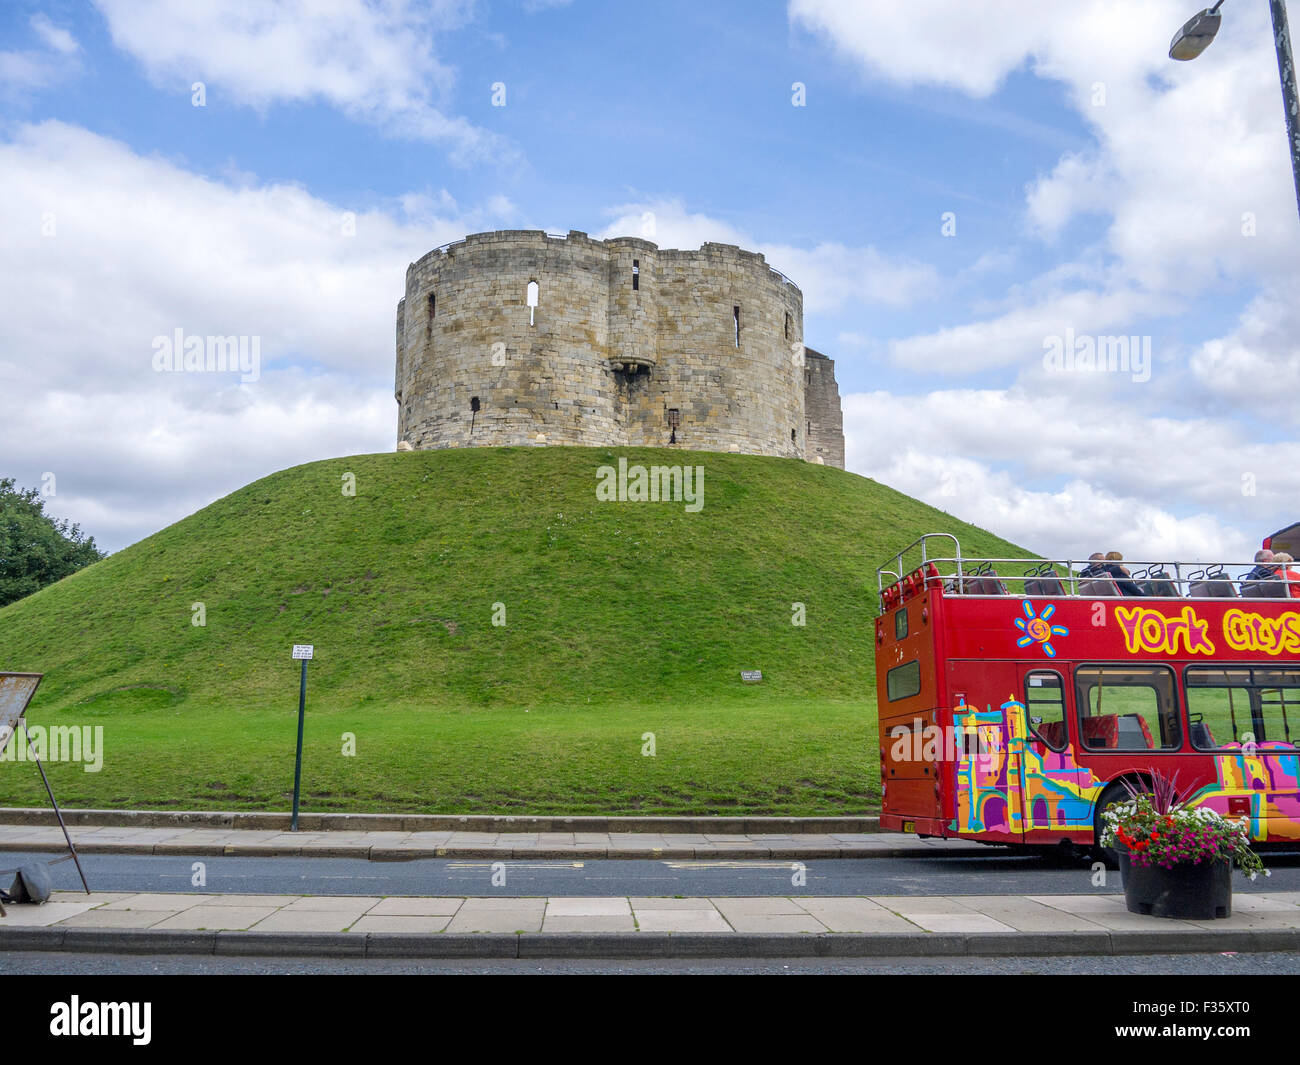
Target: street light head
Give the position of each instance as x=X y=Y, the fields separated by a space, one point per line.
x=1196 y=35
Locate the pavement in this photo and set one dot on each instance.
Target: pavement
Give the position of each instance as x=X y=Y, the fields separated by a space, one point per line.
x=557 y=927
x=405 y=845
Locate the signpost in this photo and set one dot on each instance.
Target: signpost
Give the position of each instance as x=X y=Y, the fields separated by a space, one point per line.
x=301 y=652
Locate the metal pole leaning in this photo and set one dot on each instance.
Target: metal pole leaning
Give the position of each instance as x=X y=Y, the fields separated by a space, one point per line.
x=57 y=812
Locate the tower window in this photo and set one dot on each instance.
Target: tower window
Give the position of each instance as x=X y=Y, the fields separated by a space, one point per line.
x=533 y=294
x=433 y=304
x=474 y=404
x=636 y=274
x=787 y=325
x=794 y=439
x=735 y=314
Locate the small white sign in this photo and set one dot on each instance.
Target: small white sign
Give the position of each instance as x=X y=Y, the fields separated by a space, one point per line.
x=751 y=676
x=303 y=650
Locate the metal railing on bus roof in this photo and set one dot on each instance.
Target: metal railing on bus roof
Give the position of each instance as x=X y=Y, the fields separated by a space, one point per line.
x=1054 y=578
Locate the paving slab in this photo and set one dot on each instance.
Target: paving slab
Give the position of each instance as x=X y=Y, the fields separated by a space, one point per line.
x=399 y=906
x=606 y=922
x=855 y=915
x=699 y=919
x=291 y=920
x=588 y=907
x=1025 y=915
x=18 y=915
x=102 y=918
x=408 y=923
x=151 y=900
x=218 y=918
x=499 y=915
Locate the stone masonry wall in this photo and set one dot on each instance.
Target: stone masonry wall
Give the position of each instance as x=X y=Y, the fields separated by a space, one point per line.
x=825 y=419
x=605 y=359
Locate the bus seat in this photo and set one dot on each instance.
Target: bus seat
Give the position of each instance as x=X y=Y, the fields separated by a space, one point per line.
x=1098 y=586
x=1211 y=583
x=1157 y=583
x=1212 y=589
x=1201 y=737
x=1044 y=584
x=1129 y=728
x=1265 y=589
x=989 y=584
x=1100 y=731
x=1051 y=732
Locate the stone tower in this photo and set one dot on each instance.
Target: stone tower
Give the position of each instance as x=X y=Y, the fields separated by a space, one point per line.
x=519 y=337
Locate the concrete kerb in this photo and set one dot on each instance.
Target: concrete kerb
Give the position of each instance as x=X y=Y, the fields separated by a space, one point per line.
x=491 y=851
x=322 y=822
x=642 y=944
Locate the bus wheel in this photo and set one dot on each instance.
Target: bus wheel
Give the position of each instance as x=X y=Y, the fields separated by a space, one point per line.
x=1106 y=855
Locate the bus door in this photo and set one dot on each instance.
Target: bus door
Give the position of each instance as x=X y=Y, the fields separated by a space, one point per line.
x=988 y=742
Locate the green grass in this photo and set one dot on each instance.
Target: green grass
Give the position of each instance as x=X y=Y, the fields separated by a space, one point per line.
x=621 y=619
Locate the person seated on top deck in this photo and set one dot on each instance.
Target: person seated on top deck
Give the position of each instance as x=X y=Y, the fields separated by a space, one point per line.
x=1291 y=576
x=1096 y=566
x=1123 y=579
x=1262 y=571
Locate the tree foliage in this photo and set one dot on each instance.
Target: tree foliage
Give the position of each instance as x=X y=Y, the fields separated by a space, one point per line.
x=36 y=549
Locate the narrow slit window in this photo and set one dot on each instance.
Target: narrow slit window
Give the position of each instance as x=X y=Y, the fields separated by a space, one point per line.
x=787 y=325
x=735 y=315
x=636 y=275
x=433 y=305
x=533 y=293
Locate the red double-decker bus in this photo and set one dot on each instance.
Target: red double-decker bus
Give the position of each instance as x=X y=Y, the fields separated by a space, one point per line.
x=1015 y=696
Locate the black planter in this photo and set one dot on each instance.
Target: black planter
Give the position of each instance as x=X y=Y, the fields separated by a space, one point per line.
x=1191 y=892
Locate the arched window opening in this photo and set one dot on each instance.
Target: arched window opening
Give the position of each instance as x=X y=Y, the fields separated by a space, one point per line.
x=534 y=293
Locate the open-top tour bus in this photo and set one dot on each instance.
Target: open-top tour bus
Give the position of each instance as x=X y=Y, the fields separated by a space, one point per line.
x=1015 y=696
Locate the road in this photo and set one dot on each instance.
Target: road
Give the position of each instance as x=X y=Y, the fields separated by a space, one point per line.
x=1217 y=964
x=994 y=874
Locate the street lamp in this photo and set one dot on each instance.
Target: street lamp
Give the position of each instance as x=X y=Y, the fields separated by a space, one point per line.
x=1196 y=35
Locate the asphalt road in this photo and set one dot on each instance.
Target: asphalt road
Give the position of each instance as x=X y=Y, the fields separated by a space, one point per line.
x=38 y=963
x=991 y=875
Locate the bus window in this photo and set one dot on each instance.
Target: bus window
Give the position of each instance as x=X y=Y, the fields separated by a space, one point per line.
x=1045 y=705
x=902 y=682
x=1127 y=708
x=1241 y=704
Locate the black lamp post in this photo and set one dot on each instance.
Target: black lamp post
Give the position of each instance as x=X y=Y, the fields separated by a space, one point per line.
x=1199 y=31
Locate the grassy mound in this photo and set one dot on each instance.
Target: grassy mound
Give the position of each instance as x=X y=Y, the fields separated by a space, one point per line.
x=626 y=626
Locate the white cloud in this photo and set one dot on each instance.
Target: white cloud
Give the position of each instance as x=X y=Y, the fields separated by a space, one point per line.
x=1071 y=476
x=830 y=275
x=139 y=247
x=374 y=61
x=54 y=36
x=27 y=70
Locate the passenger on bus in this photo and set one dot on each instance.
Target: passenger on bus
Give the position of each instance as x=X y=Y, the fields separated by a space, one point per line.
x=1291 y=576
x=1263 y=571
x=1096 y=566
x=1123 y=579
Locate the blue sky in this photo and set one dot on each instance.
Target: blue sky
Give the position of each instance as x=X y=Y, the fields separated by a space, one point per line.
x=1096 y=187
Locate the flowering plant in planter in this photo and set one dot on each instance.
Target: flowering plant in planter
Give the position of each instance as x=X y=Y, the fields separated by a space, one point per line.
x=1158 y=829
